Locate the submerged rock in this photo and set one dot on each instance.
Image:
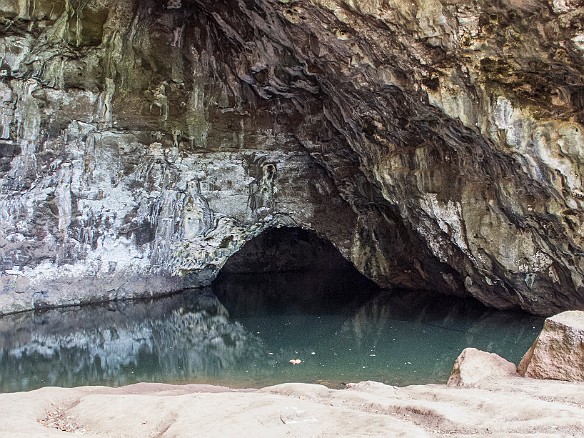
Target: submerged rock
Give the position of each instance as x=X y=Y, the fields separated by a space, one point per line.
x=558 y=352
x=436 y=144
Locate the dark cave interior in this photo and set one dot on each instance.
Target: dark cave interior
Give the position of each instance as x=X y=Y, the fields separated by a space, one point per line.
x=287 y=270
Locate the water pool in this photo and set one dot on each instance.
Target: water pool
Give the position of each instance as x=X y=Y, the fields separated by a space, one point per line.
x=245 y=332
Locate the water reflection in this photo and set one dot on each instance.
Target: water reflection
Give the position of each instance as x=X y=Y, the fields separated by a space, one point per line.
x=397 y=337
x=246 y=332
x=418 y=335
x=174 y=339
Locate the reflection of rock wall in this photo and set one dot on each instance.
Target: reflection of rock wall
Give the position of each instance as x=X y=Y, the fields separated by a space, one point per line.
x=183 y=336
x=441 y=326
x=437 y=144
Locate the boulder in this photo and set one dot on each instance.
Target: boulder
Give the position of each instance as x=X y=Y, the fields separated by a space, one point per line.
x=474 y=366
x=558 y=352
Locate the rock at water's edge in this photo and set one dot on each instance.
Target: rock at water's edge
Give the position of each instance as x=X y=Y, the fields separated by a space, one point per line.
x=474 y=366
x=558 y=352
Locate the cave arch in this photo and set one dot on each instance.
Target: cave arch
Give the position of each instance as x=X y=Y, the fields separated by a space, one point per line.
x=287 y=269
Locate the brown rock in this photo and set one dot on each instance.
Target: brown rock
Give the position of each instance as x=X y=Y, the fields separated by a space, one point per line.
x=474 y=366
x=558 y=352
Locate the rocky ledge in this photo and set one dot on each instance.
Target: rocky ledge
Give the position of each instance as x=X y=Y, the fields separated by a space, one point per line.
x=506 y=407
x=437 y=144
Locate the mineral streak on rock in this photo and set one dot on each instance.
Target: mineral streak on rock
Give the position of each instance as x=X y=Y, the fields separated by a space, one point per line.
x=437 y=144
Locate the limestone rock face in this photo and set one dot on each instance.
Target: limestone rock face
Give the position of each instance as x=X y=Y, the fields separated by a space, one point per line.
x=558 y=352
x=437 y=144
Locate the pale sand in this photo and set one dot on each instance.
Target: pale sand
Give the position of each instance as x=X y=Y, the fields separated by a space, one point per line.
x=507 y=407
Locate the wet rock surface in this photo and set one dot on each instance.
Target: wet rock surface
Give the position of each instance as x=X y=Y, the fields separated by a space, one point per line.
x=438 y=144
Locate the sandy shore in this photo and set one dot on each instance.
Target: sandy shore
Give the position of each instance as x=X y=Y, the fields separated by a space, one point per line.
x=502 y=407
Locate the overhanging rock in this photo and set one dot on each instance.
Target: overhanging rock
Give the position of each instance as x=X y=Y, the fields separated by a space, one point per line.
x=437 y=145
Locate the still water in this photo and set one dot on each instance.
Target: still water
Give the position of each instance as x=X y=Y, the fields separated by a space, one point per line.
x=245 y=331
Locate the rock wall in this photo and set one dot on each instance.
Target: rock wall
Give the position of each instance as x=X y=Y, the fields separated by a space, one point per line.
x=127 y=168
x=436 y=144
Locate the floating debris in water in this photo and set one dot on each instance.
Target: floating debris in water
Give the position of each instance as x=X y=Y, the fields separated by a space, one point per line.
x=295 y=361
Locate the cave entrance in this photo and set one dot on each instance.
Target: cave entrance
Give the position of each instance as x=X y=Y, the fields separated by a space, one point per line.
x=290 y=270
x=304 y=304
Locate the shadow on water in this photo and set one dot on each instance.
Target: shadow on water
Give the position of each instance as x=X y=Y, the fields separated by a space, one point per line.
x=245 y=331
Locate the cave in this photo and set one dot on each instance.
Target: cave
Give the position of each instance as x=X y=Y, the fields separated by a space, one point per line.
x=144 y=142
x=290 y=269
x=278 y=191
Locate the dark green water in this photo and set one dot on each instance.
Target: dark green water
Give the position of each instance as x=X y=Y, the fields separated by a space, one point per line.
x=245 y=331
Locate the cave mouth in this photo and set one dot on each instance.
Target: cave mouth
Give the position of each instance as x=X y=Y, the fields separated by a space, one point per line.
x=290 y=270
